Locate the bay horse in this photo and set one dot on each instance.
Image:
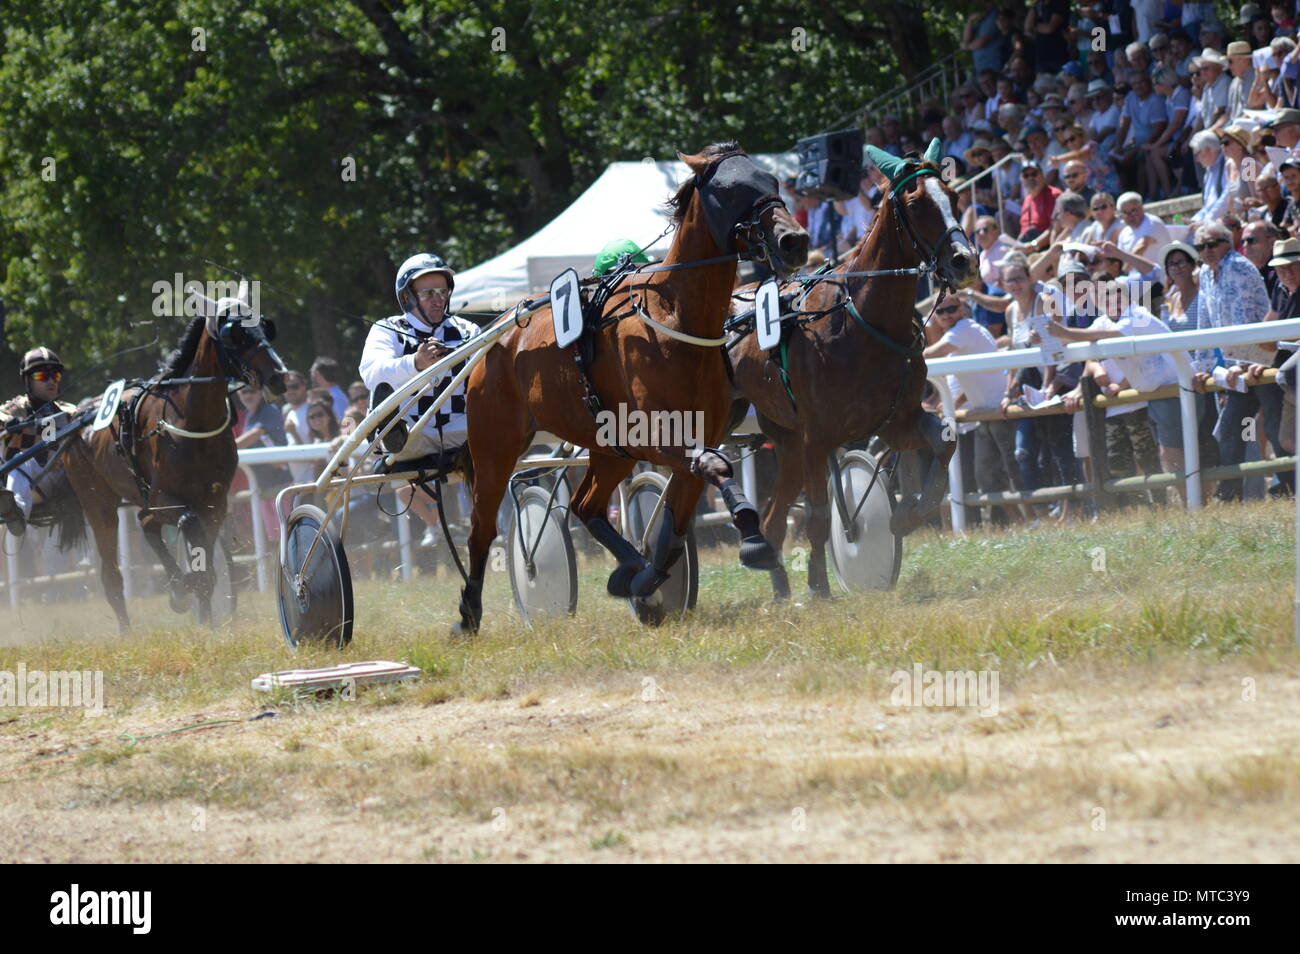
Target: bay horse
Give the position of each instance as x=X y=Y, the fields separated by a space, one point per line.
x=655 y=349
x=171 y=451
x=855 y=368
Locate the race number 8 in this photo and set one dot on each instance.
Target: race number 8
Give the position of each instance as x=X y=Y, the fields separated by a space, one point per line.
x=767 y=315
x=566 y=308
x=108 y=405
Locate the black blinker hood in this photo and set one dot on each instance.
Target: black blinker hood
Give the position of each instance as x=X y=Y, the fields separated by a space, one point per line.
x=728 y=189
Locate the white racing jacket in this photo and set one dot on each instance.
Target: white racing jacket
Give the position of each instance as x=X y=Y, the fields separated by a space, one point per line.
x=389 y=358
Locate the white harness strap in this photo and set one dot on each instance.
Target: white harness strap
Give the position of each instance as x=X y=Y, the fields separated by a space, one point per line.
x=674 y=333
x=194 y=435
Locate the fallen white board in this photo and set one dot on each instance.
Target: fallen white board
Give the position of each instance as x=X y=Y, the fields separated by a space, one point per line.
x=336 y=677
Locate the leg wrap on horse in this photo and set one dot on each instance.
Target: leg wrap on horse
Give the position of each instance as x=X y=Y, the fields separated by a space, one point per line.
x=733 y=495
x=630 y=563
x=755 y=552
x=668 y=547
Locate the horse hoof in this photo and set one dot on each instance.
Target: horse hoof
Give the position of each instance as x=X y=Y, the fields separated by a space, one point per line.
x=620 y=581
x=780 y=585
x=179 y=601
x=757 y=554
x=646 y=582
x=462 y=629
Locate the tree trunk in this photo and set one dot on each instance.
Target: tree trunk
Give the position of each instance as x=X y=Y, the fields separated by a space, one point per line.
x=324 y=332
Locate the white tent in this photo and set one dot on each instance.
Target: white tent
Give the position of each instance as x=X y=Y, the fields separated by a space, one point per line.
x=627 y=201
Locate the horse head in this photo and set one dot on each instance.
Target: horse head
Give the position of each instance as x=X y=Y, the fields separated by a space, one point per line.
x=927 y=211
x=742 y=205
x=243 y=339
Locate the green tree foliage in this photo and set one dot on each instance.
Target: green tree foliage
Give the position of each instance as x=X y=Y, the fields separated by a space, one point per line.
x=141 y=138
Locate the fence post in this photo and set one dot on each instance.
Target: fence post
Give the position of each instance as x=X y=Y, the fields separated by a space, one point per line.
x=1096 y=418
x=956 y=493
x=1188 y=404
x=404 y=544
x=124 y=552
x=259 y=544
x=11 y=571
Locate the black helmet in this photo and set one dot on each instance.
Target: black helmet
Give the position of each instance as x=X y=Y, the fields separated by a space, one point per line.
x=39 y=358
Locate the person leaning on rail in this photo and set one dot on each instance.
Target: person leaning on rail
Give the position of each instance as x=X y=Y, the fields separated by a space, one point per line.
x=21 y=417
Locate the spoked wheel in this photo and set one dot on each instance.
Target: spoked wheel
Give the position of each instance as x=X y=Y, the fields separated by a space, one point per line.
x=872 y=558
x=676 y=597
x=222 y=565
x=315 y=598
x=543 y=567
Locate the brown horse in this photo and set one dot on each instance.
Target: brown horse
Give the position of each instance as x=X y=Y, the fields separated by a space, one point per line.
x=656 y=351
x=857 y=371
x=177 y=457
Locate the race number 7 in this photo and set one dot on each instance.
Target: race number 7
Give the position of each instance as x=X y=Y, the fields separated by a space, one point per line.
x=566 y=308
x=767 y=315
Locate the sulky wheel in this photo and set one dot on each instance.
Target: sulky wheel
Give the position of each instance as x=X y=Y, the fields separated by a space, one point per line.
x=865 y=555
x=543 y=567
x=315 y=598
x=676 y=597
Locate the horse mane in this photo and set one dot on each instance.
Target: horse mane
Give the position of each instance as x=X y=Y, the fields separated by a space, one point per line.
x=681 y=200
x=175 y=364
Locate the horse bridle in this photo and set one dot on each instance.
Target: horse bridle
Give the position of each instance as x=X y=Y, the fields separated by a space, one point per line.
x=238 y=365
x=929 y=253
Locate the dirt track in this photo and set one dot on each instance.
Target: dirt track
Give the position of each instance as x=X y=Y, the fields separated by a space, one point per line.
x=718 y=769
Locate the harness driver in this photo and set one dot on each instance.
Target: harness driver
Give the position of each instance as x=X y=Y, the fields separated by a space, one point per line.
x=401 y=346
x=22 y=418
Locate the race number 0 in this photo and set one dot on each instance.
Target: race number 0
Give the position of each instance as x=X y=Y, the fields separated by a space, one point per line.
x=566 y=308
x=767 y=315
x=108 y=406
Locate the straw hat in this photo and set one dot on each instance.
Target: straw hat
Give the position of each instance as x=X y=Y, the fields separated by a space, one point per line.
x=1285 y=252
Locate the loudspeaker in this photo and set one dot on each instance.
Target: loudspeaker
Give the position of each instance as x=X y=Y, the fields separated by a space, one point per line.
x=830 y=165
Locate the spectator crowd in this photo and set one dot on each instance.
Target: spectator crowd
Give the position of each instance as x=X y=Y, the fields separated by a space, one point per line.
x=1074 y=118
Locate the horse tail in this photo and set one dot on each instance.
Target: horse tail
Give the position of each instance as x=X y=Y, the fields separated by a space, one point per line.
x=70 y=520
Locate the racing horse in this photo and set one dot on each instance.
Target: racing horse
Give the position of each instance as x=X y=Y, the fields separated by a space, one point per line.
x=654 y=348
x=170 y=451
x=851 y=366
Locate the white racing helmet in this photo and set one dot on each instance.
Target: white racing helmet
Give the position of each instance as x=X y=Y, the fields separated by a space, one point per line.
x=422 y=263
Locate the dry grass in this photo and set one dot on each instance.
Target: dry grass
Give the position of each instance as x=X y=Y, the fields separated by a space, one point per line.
x=1147 y=713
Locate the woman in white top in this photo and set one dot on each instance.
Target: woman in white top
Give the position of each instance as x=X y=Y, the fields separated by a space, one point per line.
x=1106 y=225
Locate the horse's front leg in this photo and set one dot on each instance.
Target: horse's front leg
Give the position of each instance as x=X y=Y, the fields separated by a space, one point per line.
x=591 y=504
x=198 y=546
x=915 y=509
x=755 y=552
x=178 y=595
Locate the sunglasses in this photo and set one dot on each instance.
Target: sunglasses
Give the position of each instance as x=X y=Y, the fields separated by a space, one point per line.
x=433 y=294
x=1029 y=174
x=1250 y=240
x=318 y=416
x=47 y=375
x=1181 y=263
x=1212 y=243
x=1060 y=128
x=947 y=310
